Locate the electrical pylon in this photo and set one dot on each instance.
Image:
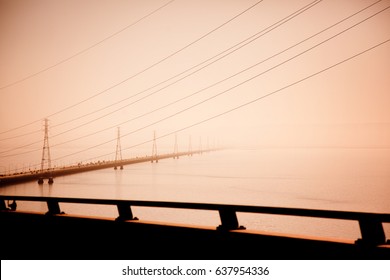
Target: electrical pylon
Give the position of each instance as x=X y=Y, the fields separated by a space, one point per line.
x=190 y=148
x=200 y=145
x=46 y=157
x=154 y=149
x=176 y=149
x=118 y=154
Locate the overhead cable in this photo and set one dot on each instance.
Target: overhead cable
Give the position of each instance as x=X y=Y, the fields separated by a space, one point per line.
x=84 y=50
x=144 y=70
x=252 y=101
x=247 y=80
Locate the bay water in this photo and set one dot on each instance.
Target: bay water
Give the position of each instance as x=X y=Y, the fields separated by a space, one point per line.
x=346 y=179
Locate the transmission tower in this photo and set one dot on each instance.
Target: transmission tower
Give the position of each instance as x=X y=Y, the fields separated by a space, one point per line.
x=190 y=148
x=46 y=157
x=176 y=149
x=118 y=154
x=154 y=149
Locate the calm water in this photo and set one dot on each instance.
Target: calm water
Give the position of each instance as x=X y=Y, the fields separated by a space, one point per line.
x=336 y=179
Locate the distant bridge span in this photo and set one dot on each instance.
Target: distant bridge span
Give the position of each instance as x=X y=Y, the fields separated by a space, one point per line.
x=67 y=170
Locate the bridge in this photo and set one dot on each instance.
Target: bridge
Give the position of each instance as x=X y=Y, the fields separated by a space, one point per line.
x=53 y=234
x=49 y=174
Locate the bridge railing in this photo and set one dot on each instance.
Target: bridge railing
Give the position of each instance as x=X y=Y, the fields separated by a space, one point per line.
x=371 y=224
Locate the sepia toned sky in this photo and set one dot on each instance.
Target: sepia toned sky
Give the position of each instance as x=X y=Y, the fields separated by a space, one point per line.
x=245 y=73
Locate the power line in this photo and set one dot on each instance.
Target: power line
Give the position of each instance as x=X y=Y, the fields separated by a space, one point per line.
x=223 y=80
x=263 y=32
x=20 y=135
x=86 y=49
x=239 y=106
x=73 y=56
x=256 y=99
x=229 y=51
x=284 y=20
x=146 y=69
x=237 y=85
x=260 y=74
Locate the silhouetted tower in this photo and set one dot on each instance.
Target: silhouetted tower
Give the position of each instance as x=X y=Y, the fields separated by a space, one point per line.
x=118 y=154
x=46 y=157
x=176 y=149
x=154 y=149
x=190 y=148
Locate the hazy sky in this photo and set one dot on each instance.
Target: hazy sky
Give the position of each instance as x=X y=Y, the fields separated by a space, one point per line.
x=197 y=67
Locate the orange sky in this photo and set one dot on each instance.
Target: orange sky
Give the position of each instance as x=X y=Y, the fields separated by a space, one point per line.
x=91 y=66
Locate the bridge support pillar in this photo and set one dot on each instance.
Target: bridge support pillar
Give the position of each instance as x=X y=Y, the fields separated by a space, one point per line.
x=229 y=220
x=372 y=232
x=125 y=212
x=2 y=205
x=54 y=208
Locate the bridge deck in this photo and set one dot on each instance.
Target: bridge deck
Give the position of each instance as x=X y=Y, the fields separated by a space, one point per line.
x=62 y=171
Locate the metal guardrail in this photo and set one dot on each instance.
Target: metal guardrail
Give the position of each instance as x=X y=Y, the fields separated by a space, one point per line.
x=370 y=223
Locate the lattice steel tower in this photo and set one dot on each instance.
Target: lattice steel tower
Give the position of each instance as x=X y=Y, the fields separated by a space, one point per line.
x=118 y=154
x=154 y=148
x=200 y=145
x=176 y=149
x=46 y=173
x=190 y=148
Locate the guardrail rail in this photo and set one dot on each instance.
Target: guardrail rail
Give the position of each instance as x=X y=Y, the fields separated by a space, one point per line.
x=371 y=224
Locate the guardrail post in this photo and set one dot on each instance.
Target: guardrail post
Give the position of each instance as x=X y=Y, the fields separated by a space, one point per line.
x=2 y=205
x=54 y=208
x=372 y=231
x=125 y=212
x=229 y=220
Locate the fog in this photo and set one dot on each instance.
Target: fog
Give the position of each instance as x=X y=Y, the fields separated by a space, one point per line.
x=214 y=73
